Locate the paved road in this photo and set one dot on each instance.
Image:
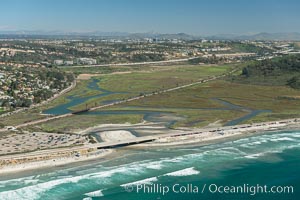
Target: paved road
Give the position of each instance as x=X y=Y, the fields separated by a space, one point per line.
x=139 y=140
x=219 y=130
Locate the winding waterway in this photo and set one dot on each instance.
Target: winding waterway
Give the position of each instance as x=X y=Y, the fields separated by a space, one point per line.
x=74 y=100
x=151 y=116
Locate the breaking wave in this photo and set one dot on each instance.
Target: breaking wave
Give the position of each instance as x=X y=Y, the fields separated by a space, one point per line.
x=146 y=181
x=184 y=172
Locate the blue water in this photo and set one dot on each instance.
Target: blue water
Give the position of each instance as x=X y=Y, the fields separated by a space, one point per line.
x=230 y=106
x=271 y=159
x=74 y=100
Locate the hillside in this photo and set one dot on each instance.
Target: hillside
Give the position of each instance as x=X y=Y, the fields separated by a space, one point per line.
x=279 y=71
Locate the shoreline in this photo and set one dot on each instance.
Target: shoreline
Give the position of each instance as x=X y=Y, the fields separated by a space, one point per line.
x=214 y=140
x=51 y=161
x=210 y=135
x=205 y=136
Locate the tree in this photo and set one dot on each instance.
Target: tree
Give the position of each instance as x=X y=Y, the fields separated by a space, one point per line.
x=294 y=82
x=245 y=72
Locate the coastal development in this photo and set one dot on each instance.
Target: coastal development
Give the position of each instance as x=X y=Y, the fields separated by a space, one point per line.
x=77 y=109
x=149 y=100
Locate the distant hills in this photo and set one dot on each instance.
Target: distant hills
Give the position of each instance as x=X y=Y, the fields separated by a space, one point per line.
x=61 y=34
x=260 y=36
x=98 y=34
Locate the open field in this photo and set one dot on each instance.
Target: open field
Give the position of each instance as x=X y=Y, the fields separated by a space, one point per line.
x=215 y=103
x=211 y=104
x=22 y=117
x=83 y=90
x=251 y=96
x=201 y=104
x=138 y=83
x=148 y=82
x=79 y=122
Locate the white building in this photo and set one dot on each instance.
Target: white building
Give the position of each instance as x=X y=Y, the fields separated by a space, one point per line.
x=68 y=62
x=87 y=61
x=58 y=62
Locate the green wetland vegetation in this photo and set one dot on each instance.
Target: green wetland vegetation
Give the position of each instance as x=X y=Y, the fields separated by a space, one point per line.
x=238 y=98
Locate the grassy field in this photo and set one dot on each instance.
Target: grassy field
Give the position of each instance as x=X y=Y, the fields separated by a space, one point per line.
x=154 y=78
x=138 y=83
x=79 y=122
x=197 y=106
x=21 y=117
x=187 y=102
x=148 y=82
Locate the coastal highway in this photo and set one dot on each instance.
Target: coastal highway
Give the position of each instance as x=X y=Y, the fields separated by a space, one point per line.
x=219 y=130
x=201 y=81
x=145 y=139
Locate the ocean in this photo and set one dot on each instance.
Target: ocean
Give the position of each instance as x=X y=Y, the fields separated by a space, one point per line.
x=239 y=169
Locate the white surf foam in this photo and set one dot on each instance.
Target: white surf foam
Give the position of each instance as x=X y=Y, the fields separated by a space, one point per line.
x=296 y=135
x=147 y=181
x=157 y=165
x=138 y=168
x=34 y=191
x=252 y=144
x=184 y=172
x=253 y=156
x=282 y=139
x=27 y=182
x=97 y=193
x=17 y=181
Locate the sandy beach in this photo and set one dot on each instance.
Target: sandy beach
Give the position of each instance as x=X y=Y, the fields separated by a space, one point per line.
x=17 y=164
x=55 y=157
x=214 y=134
x=112 y=136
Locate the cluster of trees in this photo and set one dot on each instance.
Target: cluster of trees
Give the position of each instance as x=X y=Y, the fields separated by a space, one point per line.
x=287 y=68
x=147 y=57
x=57 y=80
x=41 y=95
x=243 y=47
x=44 y=82
x=294 y=82
x=210 y=60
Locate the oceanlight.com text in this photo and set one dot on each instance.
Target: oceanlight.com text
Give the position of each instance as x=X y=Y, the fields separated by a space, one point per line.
x=208 y=188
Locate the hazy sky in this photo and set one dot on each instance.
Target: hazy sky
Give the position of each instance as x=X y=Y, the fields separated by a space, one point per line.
x=165 y=16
